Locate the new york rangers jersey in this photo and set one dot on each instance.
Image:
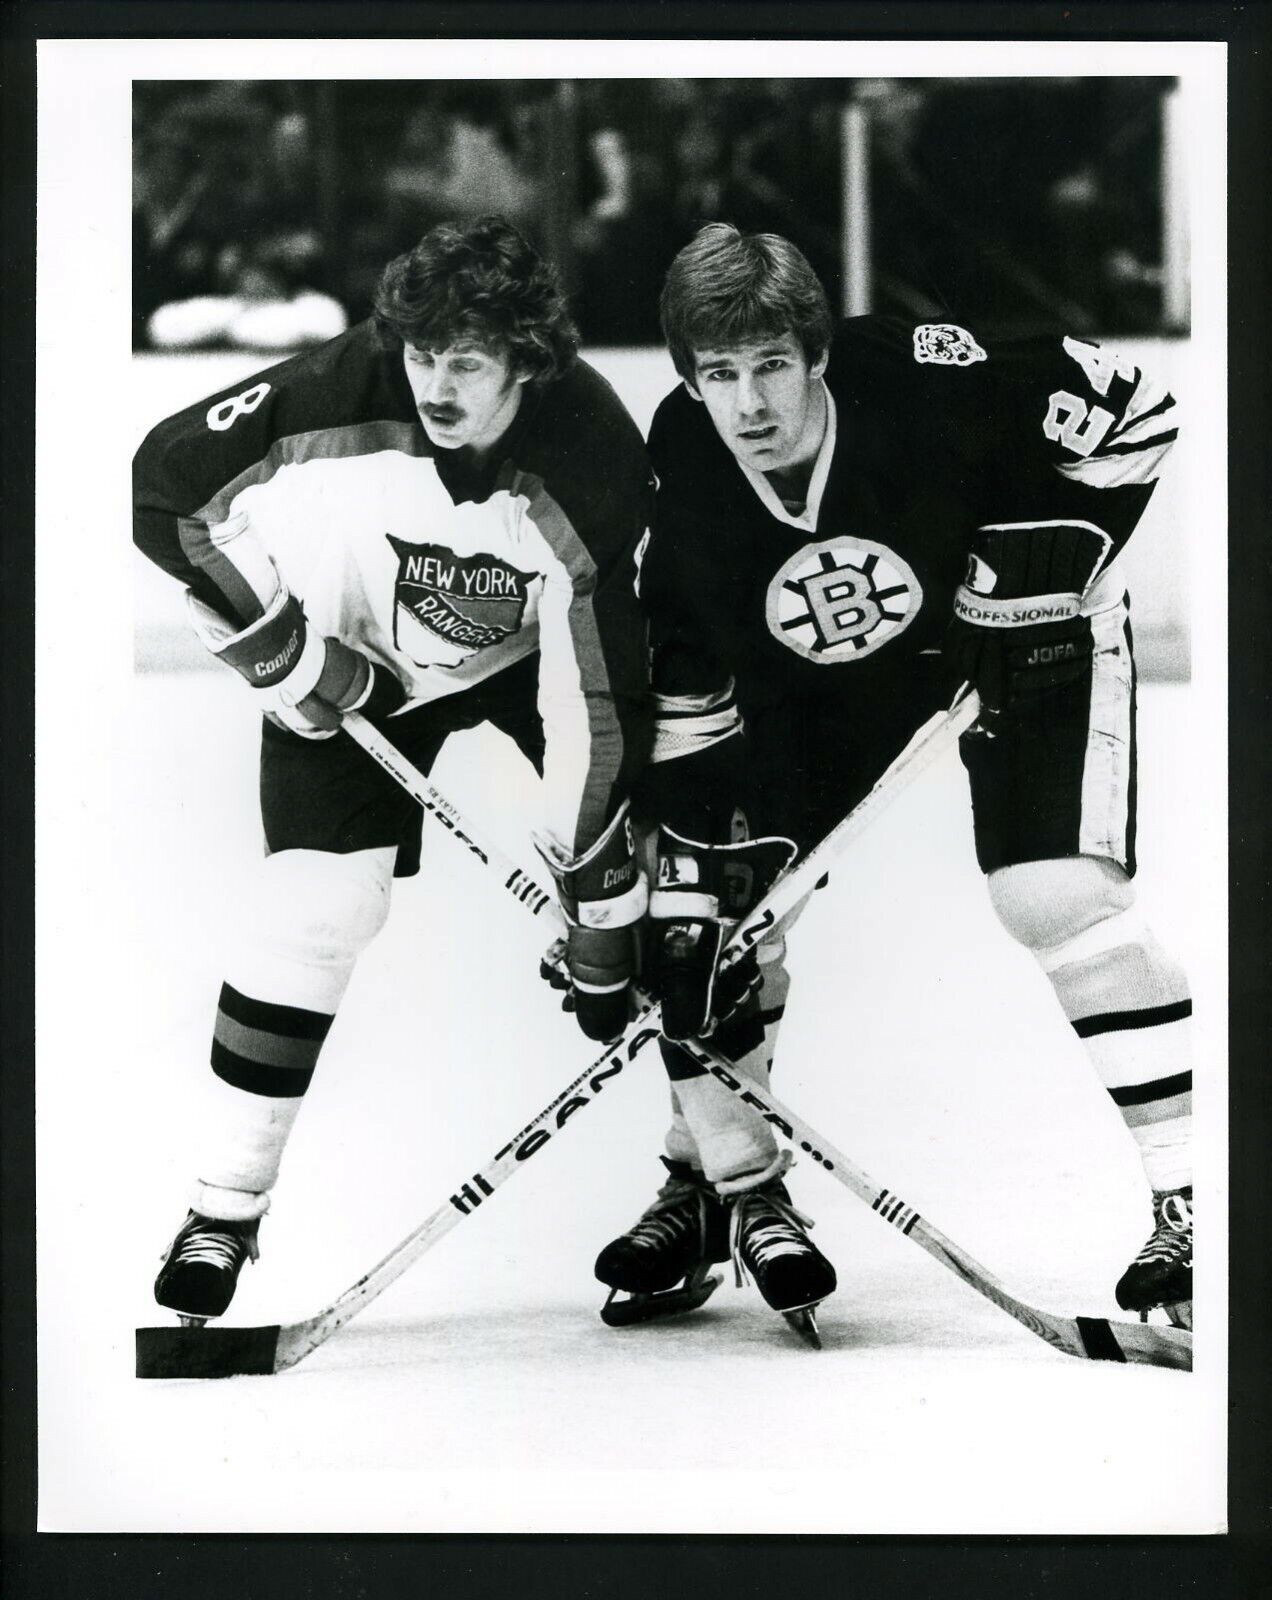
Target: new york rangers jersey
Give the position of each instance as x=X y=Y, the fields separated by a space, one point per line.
x=444 y=571
x=932 y=433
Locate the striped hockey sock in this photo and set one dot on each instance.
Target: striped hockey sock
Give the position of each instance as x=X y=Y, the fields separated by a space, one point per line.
x=310 y=915
x=710 y=1128
x=1129 y=1003
x=263 y=1058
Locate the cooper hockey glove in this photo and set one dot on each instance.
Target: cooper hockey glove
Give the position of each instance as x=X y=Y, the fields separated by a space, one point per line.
x=702 y=892
x=307 y=682
x=604 y=895
x=1018 y=628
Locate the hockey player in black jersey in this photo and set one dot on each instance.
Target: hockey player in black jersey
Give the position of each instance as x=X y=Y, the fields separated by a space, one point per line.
x=848 y=523
x=432 y=519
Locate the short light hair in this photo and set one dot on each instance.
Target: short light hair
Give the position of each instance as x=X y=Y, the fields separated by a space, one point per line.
x=481 y=280
x=727 y=287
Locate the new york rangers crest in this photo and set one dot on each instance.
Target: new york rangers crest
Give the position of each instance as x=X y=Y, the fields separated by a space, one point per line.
x=945 y=344
x=446 y=607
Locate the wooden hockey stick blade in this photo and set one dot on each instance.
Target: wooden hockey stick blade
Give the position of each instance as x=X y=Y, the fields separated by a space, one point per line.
x=1090 y=1338
x=236 y=1352
x=233 y=1352
x=207 y=1352
x=1093 y=1338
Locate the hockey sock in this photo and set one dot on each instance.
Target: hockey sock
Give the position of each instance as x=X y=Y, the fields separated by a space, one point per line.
x=1123 y=995
x=313 y=914
x=711 y=1127
x=1129 y=1004
x=263 y=1057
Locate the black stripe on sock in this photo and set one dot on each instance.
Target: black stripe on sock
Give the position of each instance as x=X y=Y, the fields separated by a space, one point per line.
x=1121 y=1021
x=279 y=1083
x=1139 y=1094
x=739 y=1036
x=679 y=1066
x=290 y=1021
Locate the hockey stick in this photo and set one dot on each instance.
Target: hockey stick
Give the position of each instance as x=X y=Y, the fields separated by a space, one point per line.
x=190 y=1352
x=1095 y=1338
x=933 y=739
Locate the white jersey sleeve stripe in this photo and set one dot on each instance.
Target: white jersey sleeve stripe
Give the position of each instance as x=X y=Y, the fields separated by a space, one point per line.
x=1150 y=428
x=323 y=444
x=1113 y=471
x=1149 y=393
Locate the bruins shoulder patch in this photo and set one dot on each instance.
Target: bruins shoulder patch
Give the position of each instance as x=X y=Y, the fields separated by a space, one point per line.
x=945 y=344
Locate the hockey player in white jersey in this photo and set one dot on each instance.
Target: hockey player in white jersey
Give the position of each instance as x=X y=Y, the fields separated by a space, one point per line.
x=848 y=522
x=431 y=519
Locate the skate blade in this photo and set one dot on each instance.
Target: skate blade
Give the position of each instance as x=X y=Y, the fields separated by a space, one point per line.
x=804 y=1323
x=1178 y=1315
x=190 y=1352
x=653 y=1307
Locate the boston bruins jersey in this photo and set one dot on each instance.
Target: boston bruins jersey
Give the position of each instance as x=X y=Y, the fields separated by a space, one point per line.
x=932 y=434
x=443 y=572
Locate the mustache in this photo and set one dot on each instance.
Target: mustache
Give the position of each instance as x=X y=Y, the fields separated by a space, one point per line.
x=442 y=413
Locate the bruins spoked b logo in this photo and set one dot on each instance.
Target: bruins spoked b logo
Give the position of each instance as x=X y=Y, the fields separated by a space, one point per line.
x=841 y=600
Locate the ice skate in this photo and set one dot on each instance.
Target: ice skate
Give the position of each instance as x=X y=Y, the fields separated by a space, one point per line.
x=1160 y=1277
x=769 y=1243
x=663 y=1262
x=202 y=1266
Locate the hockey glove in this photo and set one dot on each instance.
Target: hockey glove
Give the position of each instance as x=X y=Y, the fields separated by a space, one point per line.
x=703 y=891
x=307 y=682
x=604 y=895
x=1018 y=629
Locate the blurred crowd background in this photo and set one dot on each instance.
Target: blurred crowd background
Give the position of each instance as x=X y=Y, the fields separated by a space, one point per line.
x=263 y=212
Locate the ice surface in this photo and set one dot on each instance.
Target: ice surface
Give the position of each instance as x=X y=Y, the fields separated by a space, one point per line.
x=482 y=1391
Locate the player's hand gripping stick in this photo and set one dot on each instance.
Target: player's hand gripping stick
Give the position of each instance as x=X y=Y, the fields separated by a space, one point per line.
x=225 y=1352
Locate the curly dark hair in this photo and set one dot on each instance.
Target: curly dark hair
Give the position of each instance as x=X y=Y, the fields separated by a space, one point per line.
x=479 y=280
x=726 y=286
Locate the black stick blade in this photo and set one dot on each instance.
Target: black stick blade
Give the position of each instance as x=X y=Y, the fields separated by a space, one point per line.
x=206 y=1352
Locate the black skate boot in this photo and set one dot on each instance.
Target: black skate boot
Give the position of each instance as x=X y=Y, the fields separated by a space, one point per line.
x=663 y=1262
x=1161 y=1275
x=200 y=1271
x=770 y=1244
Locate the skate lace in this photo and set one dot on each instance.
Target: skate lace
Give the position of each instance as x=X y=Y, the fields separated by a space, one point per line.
x=222 y=1248
x=779 y=1233
x=664 y=1222
x=1172 y=1237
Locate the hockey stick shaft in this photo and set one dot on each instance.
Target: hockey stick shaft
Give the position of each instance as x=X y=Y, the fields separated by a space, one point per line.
x=189 y=1352
x=225 y=1352
x=1082 y=1336
x=519 y=884
x=298 y=1342
x=936 y=736
x=1093 y=1337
